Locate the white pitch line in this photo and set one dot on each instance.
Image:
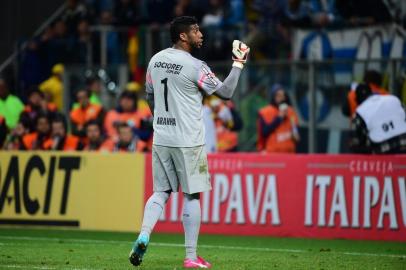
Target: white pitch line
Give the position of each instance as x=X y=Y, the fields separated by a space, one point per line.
x=25 y=267
x=44 y=267
x=94 y=241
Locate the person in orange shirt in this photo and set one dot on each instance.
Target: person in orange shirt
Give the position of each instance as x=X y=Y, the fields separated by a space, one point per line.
x=84 y=113
x=127 y=112
x=60 y=140
x=374 y=80
x=14 y=140
x=36 y=140
x=95 y=140
x=277 y=124
x=127 y=141
x=227 y=139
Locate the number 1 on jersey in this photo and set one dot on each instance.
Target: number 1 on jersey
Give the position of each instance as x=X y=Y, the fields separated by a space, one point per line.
x=165 y=83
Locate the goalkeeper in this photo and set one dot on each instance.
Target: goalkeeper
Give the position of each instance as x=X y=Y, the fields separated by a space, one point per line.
x=175 y=84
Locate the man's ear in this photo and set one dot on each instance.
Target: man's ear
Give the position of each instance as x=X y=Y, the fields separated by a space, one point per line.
x=183 y=36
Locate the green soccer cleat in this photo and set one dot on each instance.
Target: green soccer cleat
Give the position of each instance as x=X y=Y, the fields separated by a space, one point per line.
x=138 y=250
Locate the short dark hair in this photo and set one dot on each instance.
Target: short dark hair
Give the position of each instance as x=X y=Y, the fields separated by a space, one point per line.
x=60 y=118
x=123 y=125
x=362 y=92
x=83 y=90
x=373 y=76
x=93 y=123
x=35 y=90
x=42 y=115
x=181 y=25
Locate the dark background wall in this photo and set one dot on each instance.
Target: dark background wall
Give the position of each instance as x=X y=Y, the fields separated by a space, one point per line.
x=19 y=19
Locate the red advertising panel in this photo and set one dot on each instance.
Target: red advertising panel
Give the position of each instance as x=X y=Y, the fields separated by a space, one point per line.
x=324 y=196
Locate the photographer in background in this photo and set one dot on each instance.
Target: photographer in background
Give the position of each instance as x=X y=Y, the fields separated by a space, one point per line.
x=379 y=124
x=277 y=124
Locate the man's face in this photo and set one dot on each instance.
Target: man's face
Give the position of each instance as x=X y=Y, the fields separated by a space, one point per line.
x=93 y=133
x=127 y=104
x=35 y=99
x=125 y=134
x=82 y=98
x=280 y=96
x=43 y=126
x=195 y=37
x=58 y=130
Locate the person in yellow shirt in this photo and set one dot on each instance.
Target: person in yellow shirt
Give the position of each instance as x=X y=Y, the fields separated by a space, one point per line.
x=53 y=86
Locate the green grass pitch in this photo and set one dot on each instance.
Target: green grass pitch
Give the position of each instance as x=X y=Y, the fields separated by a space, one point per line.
x=85 y=250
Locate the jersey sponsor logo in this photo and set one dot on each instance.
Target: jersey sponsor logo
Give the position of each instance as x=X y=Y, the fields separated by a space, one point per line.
x=170 y=67
x=166 y=121
x=210 y=75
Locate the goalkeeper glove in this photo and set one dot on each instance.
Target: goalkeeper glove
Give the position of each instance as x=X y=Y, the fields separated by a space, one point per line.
x=240 y=53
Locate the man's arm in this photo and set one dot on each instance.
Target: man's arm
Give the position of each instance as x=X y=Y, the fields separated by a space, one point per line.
x=227 y=88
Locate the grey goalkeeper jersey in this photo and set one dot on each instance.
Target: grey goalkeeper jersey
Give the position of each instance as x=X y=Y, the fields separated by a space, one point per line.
x=175 y=77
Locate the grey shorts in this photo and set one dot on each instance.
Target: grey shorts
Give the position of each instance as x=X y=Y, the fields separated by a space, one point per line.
x=184 y=166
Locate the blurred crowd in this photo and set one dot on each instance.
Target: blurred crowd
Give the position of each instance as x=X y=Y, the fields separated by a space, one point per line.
x=265 y=25
x=39 y=124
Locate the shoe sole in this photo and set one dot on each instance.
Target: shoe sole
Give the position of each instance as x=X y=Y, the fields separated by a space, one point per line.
x=135 y=259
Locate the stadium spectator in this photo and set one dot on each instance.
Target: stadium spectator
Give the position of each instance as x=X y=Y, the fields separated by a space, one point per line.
x=57 y=44
x=127 y=12
x=112 y=39
x=84 y=113
x=142 y=104
x=14 y=140
x=94 y=86
x=10 y=105
x=75 y=11
x=234 y=13
x=127 y=112
x=268 y=39
x=31 y=66
x=95 y=140
x=227 y=139
x=197 y=8
x=277 y=124
x=324 y=13
x=81 y=44
x=53 y=86
x=214 y=16
x=36 y=104
x=363 y=12
x=371 y=77
x=126 y=141
x=36 y=140
x=379 y=124
x=296 y=14
x=159 y=12
x=60 y=140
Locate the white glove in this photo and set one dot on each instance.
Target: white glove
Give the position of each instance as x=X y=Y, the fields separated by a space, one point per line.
x=240 y=53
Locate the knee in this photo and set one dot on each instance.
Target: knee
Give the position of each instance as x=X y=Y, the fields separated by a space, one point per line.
x=162 y=196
